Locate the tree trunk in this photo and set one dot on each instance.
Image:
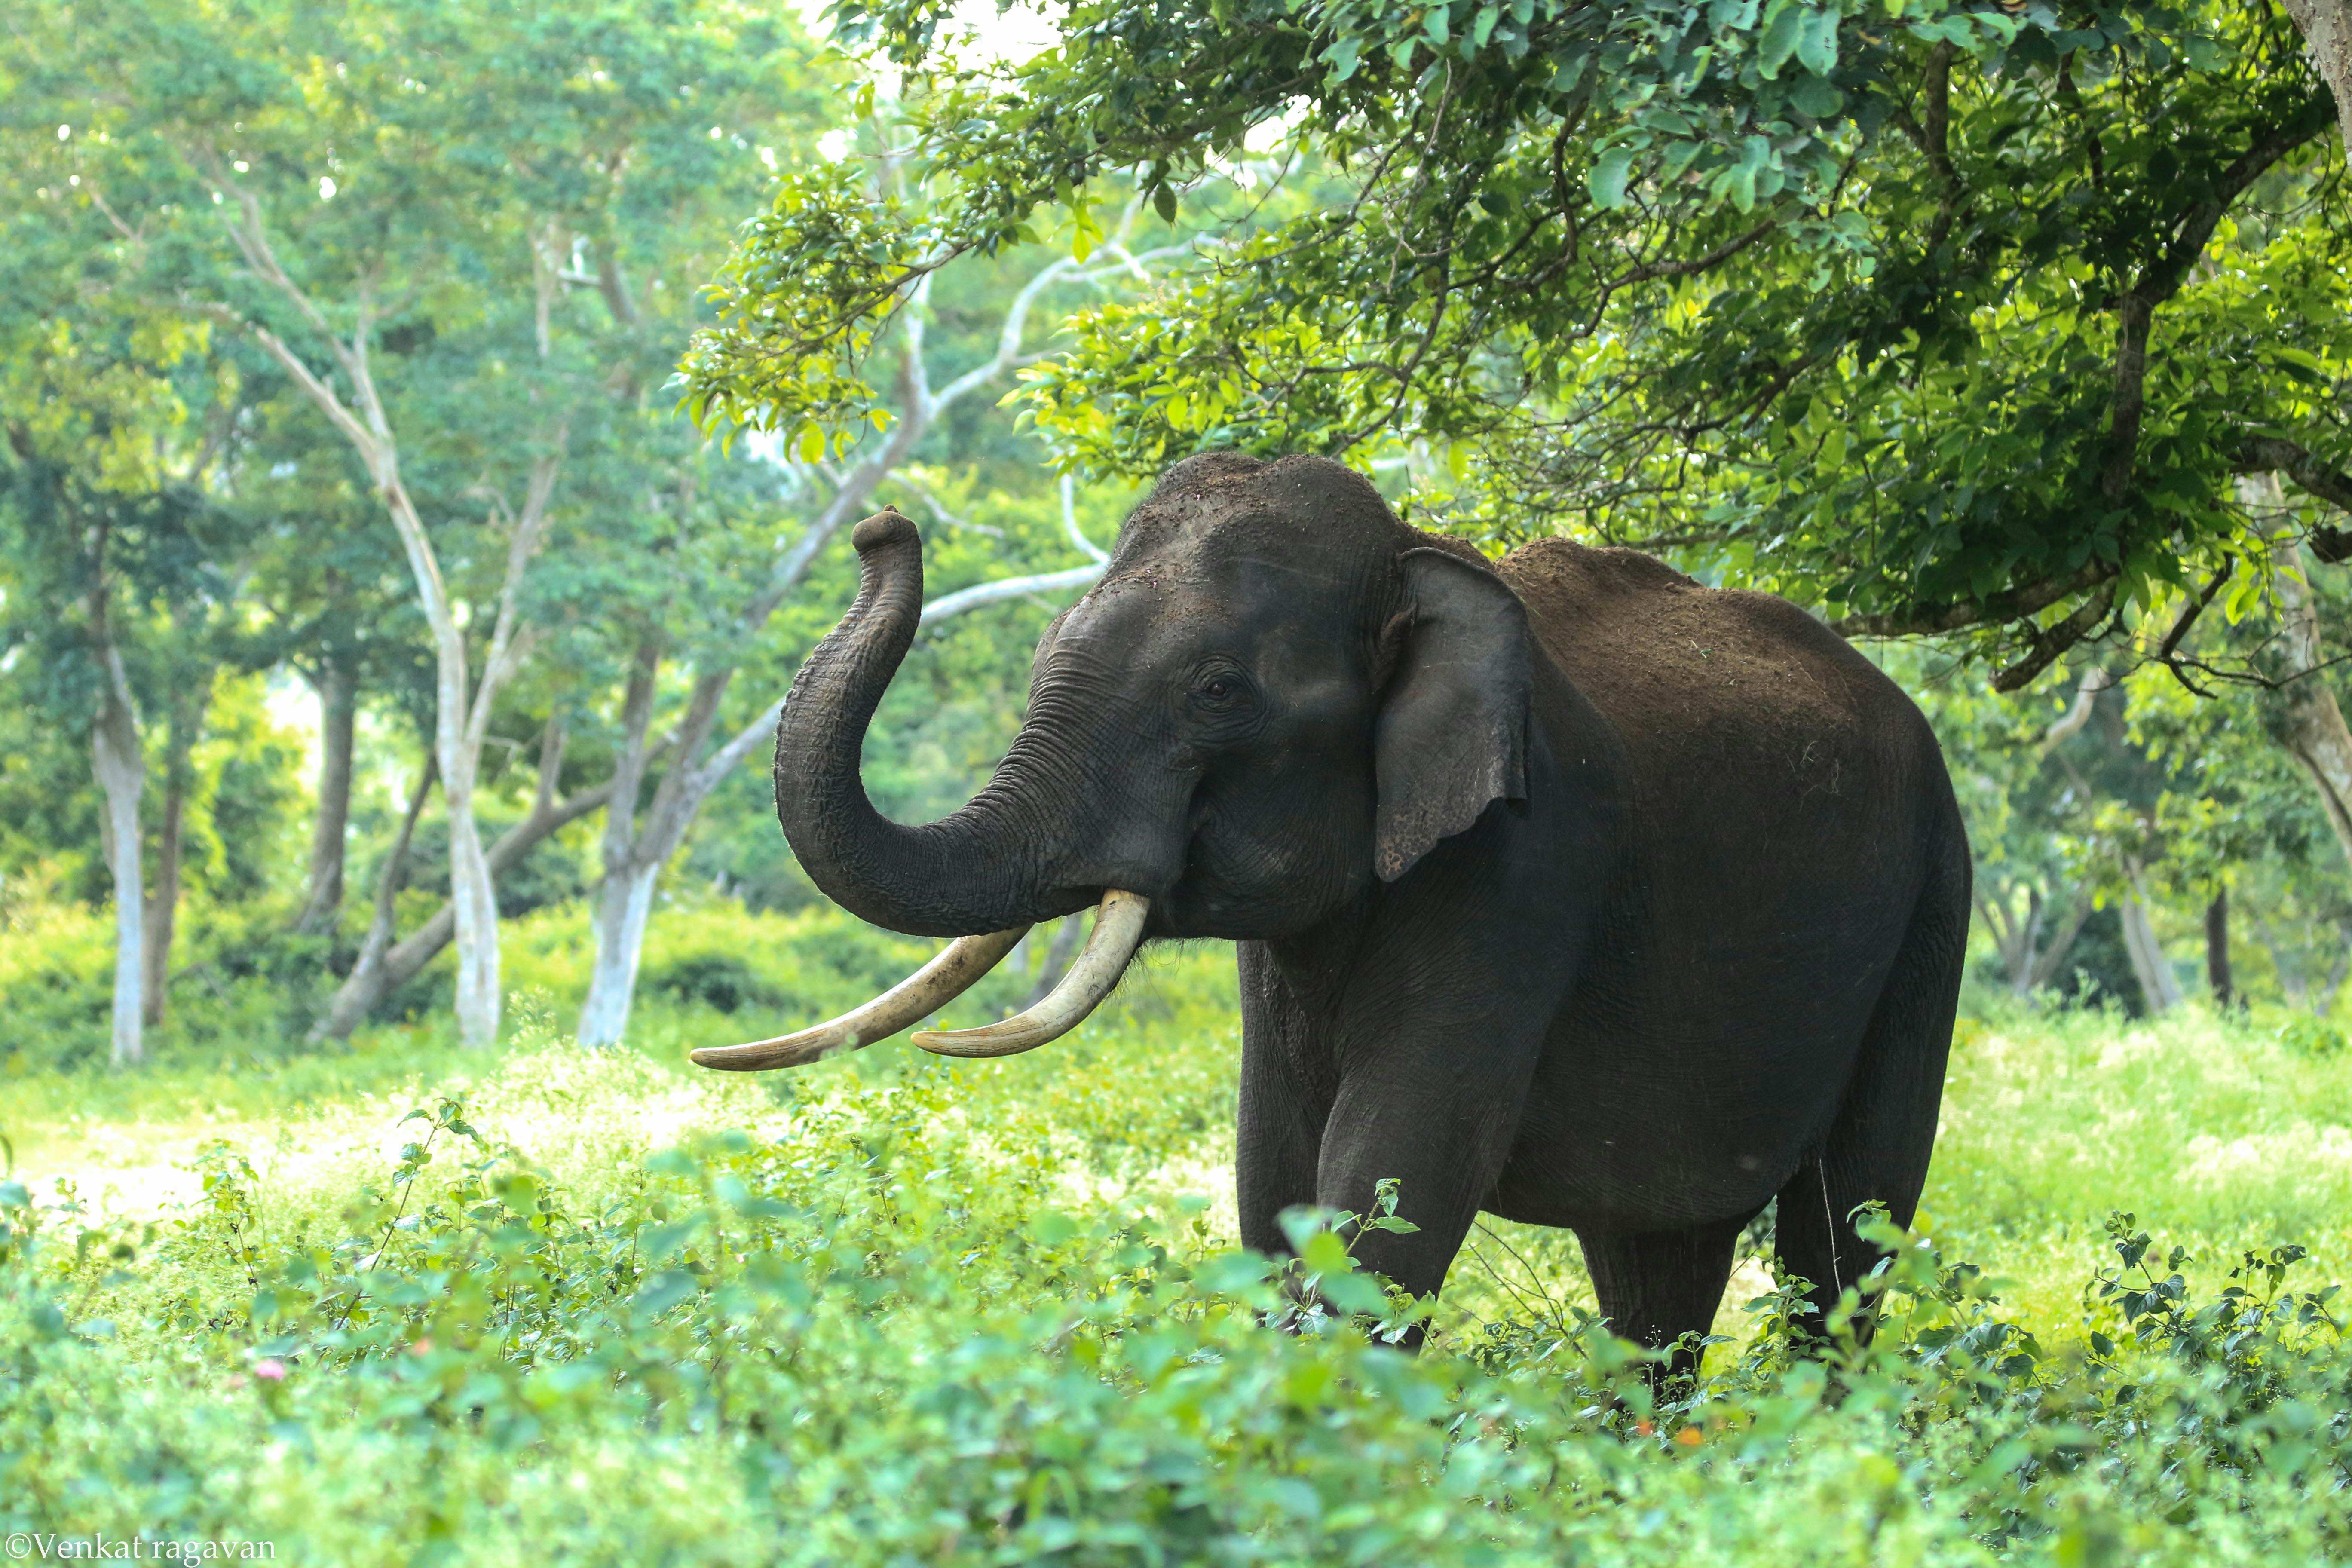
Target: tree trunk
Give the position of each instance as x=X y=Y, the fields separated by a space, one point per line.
x=2217 y=949
x=2045 y=967
x=1065 y=948
x=2315 y=734
x=626 y=896
x=2028 y=939
x=2159 y=987
x=120 y=766
x=364 y=986
x=338 y=714
x=635 y=853
x=402 y=960
x=162 y=905
x=118 y=758
x=474 y=901
x=2000 y=917
x=2289 y=976
x=2326 y=28
x=622 y=906
x=2324 y=1002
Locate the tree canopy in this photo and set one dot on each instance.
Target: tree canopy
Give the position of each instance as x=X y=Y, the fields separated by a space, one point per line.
x=1935 y=316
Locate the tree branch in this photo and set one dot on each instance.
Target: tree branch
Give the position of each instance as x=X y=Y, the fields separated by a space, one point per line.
x=508 y=640
x=1993 y=609
x=2268 y=454
x=980 y=593
x=722 y=761
x=2051 y=641
x=2162 y=279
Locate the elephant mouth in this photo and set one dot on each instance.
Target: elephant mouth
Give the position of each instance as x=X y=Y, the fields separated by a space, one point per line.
x=1118 y=930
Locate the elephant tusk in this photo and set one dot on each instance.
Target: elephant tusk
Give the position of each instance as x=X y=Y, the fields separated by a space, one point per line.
x=923 y=992
x=1118 y=930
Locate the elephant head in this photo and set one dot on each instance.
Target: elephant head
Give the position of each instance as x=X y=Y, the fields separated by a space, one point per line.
x=1276 y=696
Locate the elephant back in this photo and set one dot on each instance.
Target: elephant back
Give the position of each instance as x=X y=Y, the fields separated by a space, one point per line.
x=1685 y=672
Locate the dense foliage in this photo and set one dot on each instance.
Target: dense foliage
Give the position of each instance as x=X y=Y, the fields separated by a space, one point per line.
x=989 y=1313
x=1935 y=316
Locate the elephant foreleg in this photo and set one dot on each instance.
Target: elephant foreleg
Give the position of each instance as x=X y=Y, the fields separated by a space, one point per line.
x=1280 y=1130
x=1439 y=1120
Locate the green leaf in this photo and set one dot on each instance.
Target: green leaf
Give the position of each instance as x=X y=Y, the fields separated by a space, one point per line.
x=1353 y=1293
x=1816 y=98
x=1325 y=1253
x=1609 y=175
x=1163 y=202
x=1818 y=50
x=1781 y=36
x=1731 y=16
x=664 y=1291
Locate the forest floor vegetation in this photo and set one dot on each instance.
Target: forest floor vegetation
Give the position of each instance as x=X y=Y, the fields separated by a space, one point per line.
x=403 y=1302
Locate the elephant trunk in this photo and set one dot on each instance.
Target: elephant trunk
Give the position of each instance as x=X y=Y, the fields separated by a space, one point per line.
x=977 y=870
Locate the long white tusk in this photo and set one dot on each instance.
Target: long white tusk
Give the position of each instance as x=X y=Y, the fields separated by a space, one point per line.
x=1118 y=930
x=921 y=994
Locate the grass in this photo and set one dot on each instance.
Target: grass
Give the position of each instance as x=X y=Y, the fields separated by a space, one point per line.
x=603 y=1307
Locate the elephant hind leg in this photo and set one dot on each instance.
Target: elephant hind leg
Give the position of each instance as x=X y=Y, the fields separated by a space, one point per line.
x=1878 y=1146
x=1657 y=1285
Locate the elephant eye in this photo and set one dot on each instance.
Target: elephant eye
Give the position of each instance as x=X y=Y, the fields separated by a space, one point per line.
x=1220 y=689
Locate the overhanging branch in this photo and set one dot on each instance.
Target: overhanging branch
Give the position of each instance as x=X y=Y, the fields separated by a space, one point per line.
x=2270 y=454
x=2054 y=640
x=1993 y=609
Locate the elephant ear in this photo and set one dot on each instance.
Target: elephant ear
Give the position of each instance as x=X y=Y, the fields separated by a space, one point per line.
x=1052 y=634
x=1452 y=735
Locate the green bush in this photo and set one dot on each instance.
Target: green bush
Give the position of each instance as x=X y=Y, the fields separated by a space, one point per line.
x=597 y=1307
x=725 y=982
x=870 y=1339
x=2311 y=1036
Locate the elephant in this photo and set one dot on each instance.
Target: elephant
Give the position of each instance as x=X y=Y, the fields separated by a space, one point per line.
x=1563 y=888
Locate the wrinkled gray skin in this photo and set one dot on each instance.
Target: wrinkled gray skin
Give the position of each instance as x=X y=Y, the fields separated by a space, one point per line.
x=1565 y=889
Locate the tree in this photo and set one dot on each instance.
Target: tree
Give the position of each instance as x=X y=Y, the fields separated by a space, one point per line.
x=139 y=651
x=101 y=496
x=338 y=185
x=2327 y=26
x=637 y=843
x=1859 y=303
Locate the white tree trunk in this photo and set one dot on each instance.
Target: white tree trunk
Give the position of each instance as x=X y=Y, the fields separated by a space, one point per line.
x=476 y=906
x=623 y=907
x=634 y=857
x=2315 y=732
x=2326 y=28
x=338 y=689
x=121 y=769
x=2159 y=986
x=461 y=726
x=461 y=709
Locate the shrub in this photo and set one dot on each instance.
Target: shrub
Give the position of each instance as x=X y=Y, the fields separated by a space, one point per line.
x=870 y=1337
x=722 y=980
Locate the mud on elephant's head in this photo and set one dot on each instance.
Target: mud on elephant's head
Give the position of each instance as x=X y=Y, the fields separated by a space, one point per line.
x=1276 y=695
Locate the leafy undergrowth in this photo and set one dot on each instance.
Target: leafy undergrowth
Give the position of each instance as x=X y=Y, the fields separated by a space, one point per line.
x=911 y=1311
x=871 y=1330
